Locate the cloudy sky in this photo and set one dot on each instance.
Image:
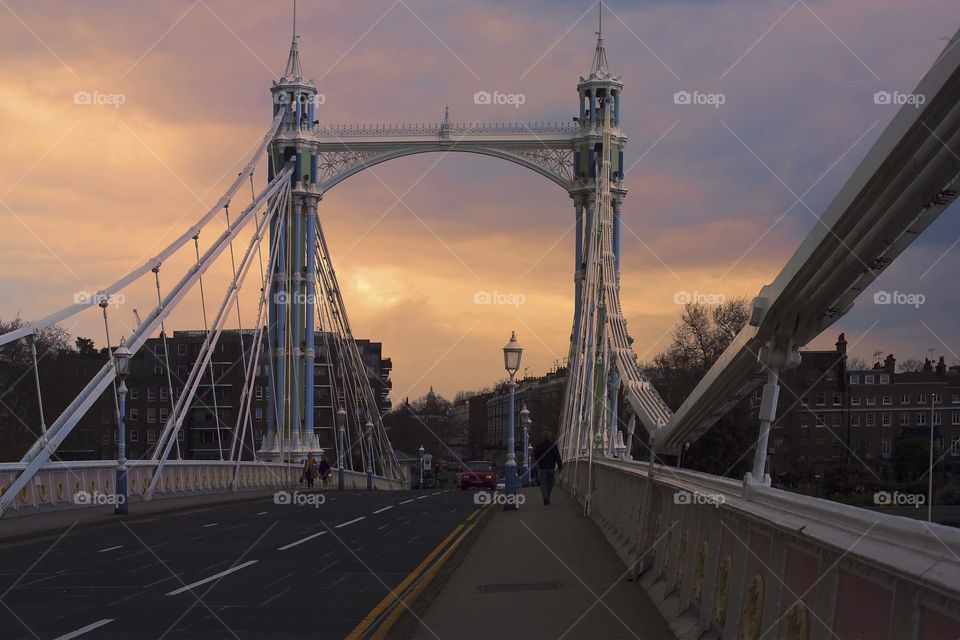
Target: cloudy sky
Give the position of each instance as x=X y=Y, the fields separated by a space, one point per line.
x=87 y=191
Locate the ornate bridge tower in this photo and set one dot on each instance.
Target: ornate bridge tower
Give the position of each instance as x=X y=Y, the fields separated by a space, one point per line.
x=293 y=295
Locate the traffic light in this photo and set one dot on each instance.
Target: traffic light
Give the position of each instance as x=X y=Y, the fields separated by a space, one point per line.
x=436 y=467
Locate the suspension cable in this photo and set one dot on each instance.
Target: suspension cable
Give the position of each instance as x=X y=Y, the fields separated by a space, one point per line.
x=166 y=353
x=206 y=330
x=106 y=328
x=36 y=377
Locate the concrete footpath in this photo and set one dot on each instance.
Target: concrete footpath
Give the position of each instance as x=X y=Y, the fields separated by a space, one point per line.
x=540 y=572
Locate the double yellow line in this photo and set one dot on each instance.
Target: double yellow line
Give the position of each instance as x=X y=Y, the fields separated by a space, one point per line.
x=406 y=593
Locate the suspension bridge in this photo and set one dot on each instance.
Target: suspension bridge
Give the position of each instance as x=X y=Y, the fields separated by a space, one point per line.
x=751 y=562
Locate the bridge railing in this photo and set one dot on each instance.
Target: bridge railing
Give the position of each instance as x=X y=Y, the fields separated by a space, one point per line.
x=60 y=485
x=769 y=563
x=434 y=128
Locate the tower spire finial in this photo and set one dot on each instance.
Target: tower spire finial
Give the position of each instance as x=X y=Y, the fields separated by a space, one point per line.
x=293 y=71
x=600 y=66
x=599 y=11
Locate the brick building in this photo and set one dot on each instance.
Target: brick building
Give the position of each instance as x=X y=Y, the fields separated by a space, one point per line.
x=829 y=414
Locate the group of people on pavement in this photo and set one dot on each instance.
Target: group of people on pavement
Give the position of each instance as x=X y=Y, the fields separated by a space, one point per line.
x=312 y=469
x=546 y=457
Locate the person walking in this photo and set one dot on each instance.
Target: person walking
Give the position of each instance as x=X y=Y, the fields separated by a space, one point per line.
x=324 y=469
x=310 y=470
x=546 y=457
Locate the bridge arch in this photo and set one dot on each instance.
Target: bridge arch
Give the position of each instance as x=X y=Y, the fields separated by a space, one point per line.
x=552 y=164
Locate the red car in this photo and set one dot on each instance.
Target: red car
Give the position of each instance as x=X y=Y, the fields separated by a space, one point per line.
x=479 y=473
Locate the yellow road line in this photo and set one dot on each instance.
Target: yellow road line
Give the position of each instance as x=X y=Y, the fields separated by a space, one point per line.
x=394 y=595
x=384 y=628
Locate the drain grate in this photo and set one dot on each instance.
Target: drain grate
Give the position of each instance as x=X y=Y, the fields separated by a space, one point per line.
x=519 y=586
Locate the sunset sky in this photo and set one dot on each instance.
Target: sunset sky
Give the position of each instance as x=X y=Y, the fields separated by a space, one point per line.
x=87 y=191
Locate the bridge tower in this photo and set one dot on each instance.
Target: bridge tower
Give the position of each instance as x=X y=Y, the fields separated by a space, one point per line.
x=293 y=295
x=599 y=89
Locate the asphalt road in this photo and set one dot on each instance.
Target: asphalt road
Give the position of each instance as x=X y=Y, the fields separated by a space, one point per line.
x=242 y=570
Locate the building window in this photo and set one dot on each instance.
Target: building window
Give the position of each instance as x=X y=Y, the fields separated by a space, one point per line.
x=151 y=436
x=805 y=400
x=181 y=349
x=134 y=435
x=134 y=414
x=837 y=399
x=164 y=393
x=151 y=394
x=921 y=418
x=180 y=435
x=855 y=401
x=151 y=416
x=835 y=450
x=904 y=398
x=884 y=378
x=258 y=413
x=836 y=420
x=955 y=398
x=885 y=447
x=937 y=418
x=820 y=421
x=904 y=419
x=105 y=438
x=921 y=398
x=871 y=419
x=868 y=379
x=164 y=413
x=937 y=399
x=134 y=393
x=886 y=420
x=868 y=449
x=804 y=421
x=259 y=393
x=821 y=399
x=887 y=401
x=955 y=446
x=955 y=418
x=855 y=420
x=116 y=437
x=854 y=379
x=871 y=400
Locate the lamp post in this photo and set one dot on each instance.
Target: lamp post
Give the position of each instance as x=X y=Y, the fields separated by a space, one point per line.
x=341 y=474
x=525 y=421
x=369 y=455
x=122 y=357
x=511 y=362
x=420 y=450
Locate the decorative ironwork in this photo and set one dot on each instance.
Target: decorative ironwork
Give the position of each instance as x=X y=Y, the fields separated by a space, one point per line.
x=430 y=128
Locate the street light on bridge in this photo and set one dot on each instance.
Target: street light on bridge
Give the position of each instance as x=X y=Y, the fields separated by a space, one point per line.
x=421 y=450
x=121 y=356
x=511 y=362
x=369 y=455
x=341 y=474
x=525 y=421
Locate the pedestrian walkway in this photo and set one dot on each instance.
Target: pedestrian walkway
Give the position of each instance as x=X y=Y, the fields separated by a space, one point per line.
x=541 y=572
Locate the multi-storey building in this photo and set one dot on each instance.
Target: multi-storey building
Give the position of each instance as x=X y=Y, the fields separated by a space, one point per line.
x=210 y=422
x=544 y=399
x=829 y=414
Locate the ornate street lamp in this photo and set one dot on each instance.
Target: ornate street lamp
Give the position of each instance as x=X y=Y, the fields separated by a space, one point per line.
x=421 y=466
x=341 y=474
x=525 y=421
x=511 y=362
x=369 y=455
x=121 y=362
